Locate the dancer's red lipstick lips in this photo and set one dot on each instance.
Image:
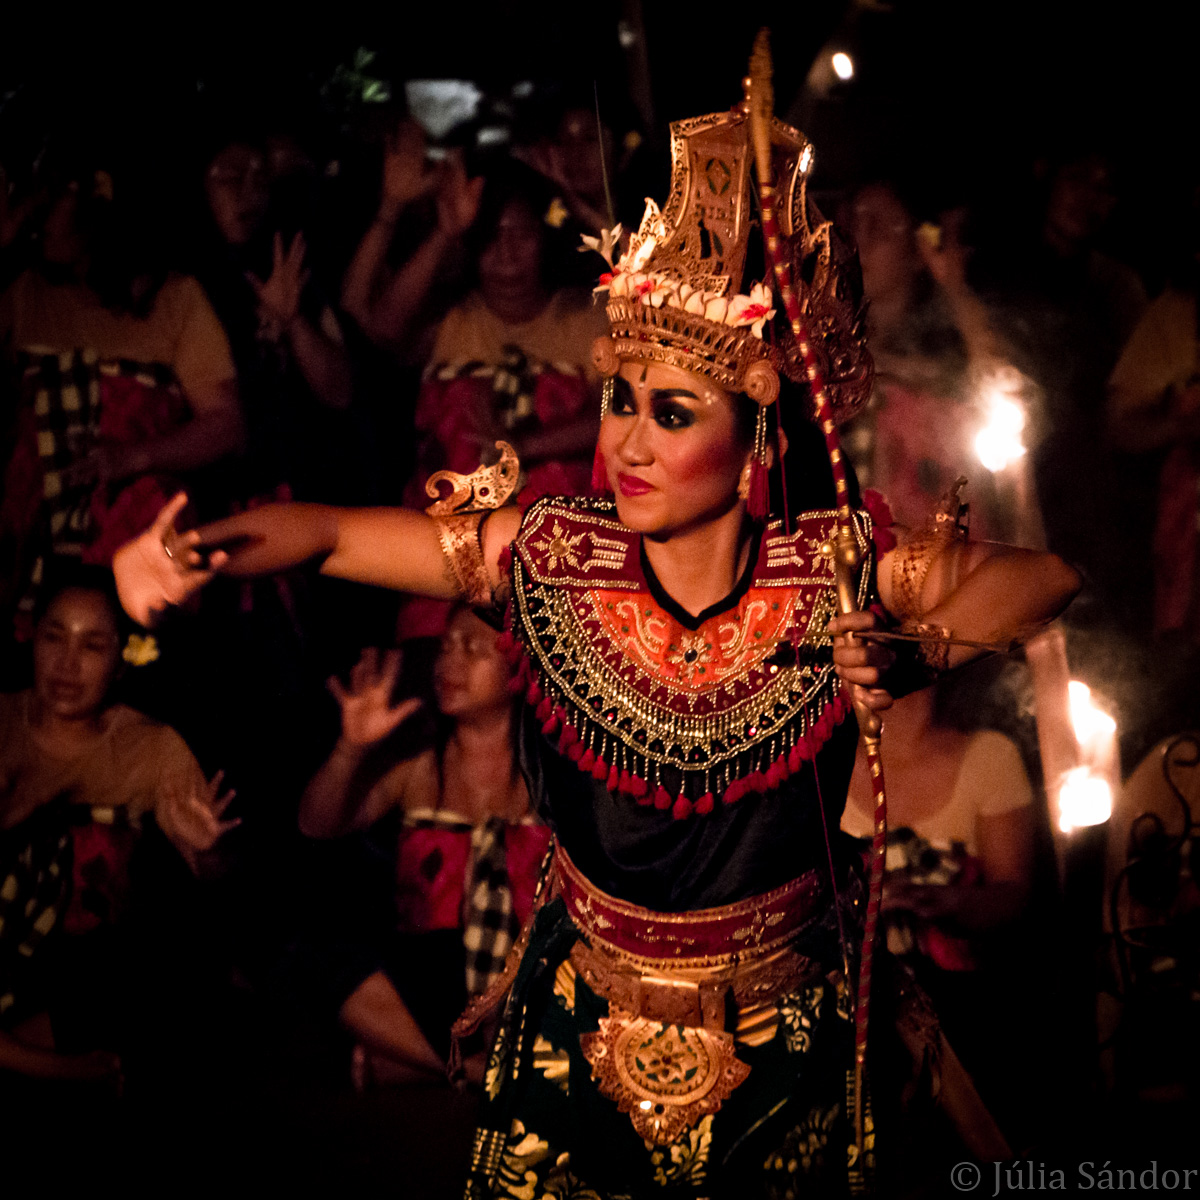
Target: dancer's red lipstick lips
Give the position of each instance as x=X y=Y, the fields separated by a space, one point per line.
x=631 y=485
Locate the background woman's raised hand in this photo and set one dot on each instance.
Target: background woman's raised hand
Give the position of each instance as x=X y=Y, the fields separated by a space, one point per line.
x=279 y=296
x=408 y=175
x=162 y=567
x=407 y=172
x=191 y=817
x=458 y=199
x=368 y=714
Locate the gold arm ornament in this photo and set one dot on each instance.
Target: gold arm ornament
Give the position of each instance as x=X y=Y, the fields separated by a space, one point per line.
x=914 y=559
x=483 y=490
x=459 y=516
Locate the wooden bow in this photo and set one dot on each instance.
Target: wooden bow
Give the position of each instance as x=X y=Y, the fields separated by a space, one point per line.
x=760 y=95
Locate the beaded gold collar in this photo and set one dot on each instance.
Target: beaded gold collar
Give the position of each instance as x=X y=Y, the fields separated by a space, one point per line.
x=670 y=715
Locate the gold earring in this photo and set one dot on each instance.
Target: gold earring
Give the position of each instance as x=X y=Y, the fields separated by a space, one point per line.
x=743 y=489
x=758 y=488
x=599 y=470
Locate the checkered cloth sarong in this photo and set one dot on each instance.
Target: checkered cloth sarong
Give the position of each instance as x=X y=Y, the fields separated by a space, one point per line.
x=72 y=402
x=68 y=391
x=35 y=878
x=490 y=926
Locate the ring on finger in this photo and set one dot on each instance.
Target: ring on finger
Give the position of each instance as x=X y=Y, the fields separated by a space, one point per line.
x=167 y=550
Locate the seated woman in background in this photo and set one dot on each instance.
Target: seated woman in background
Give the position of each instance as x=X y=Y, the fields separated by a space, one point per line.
x=1152 y=917
x=960 y=863
x=468 y=854
x=125 y=381
x=78 y=776
x=960 y=846
x=513 y=360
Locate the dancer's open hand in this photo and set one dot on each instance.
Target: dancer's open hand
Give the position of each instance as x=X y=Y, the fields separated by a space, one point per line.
x=162 y=567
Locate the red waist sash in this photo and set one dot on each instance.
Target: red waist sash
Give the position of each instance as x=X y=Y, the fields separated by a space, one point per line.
x=749 y=927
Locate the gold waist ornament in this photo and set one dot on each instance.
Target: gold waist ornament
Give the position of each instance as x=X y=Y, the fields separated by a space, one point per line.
x=666 y=1053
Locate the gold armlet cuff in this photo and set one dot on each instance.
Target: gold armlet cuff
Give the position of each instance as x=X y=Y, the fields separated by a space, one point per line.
x=459 y=536
x=915 y=557
x=910 y=566
x=933 y=650
x=458 y=517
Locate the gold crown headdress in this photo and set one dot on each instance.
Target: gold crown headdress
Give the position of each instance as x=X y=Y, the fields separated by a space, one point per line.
x=678 y=294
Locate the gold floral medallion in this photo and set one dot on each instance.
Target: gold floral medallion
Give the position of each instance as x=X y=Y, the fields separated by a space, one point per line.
x=665 y=1077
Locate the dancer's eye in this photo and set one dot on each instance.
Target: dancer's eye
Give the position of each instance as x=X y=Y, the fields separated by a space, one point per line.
x=622 y=400
x=670 y=414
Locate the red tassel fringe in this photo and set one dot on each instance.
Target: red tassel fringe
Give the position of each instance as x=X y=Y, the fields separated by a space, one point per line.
x=554 y=719
x=759 y=499
x=599 y=474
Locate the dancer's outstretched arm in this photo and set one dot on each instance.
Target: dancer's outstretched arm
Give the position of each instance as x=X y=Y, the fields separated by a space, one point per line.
x=389 y=547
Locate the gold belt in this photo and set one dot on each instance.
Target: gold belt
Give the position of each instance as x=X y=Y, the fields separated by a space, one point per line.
x=666 y=1052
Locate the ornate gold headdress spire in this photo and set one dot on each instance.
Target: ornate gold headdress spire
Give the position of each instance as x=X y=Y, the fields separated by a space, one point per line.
x=679 y=294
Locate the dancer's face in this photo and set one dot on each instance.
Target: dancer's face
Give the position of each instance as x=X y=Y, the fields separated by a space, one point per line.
x=470 y=675
x=76 y=653
x=672 y=449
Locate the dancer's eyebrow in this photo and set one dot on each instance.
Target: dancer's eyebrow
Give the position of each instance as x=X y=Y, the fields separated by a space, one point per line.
x=673 y=393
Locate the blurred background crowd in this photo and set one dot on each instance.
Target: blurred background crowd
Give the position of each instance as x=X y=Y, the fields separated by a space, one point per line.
x=254 y=862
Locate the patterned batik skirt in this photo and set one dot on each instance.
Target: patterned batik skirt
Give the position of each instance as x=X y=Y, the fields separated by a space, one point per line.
x=707 y=1053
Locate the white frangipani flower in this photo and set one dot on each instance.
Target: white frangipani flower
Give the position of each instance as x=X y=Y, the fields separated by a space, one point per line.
x=716 y=309
x=642 y=244
x=754 y=310
x=605 y=244
x=661 y=290
x=651 y=288
x=690 y=299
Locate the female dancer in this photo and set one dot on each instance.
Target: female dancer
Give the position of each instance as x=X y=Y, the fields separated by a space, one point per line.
x=680 y=1014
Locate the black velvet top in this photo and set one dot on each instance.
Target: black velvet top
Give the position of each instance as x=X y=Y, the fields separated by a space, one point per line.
x=643 y=855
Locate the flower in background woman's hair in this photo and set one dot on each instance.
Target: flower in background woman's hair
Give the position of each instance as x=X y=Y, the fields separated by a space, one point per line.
x=140 y=651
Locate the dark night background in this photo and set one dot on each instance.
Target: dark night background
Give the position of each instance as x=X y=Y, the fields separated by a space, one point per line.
x=966 y=103
x=958 y=91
